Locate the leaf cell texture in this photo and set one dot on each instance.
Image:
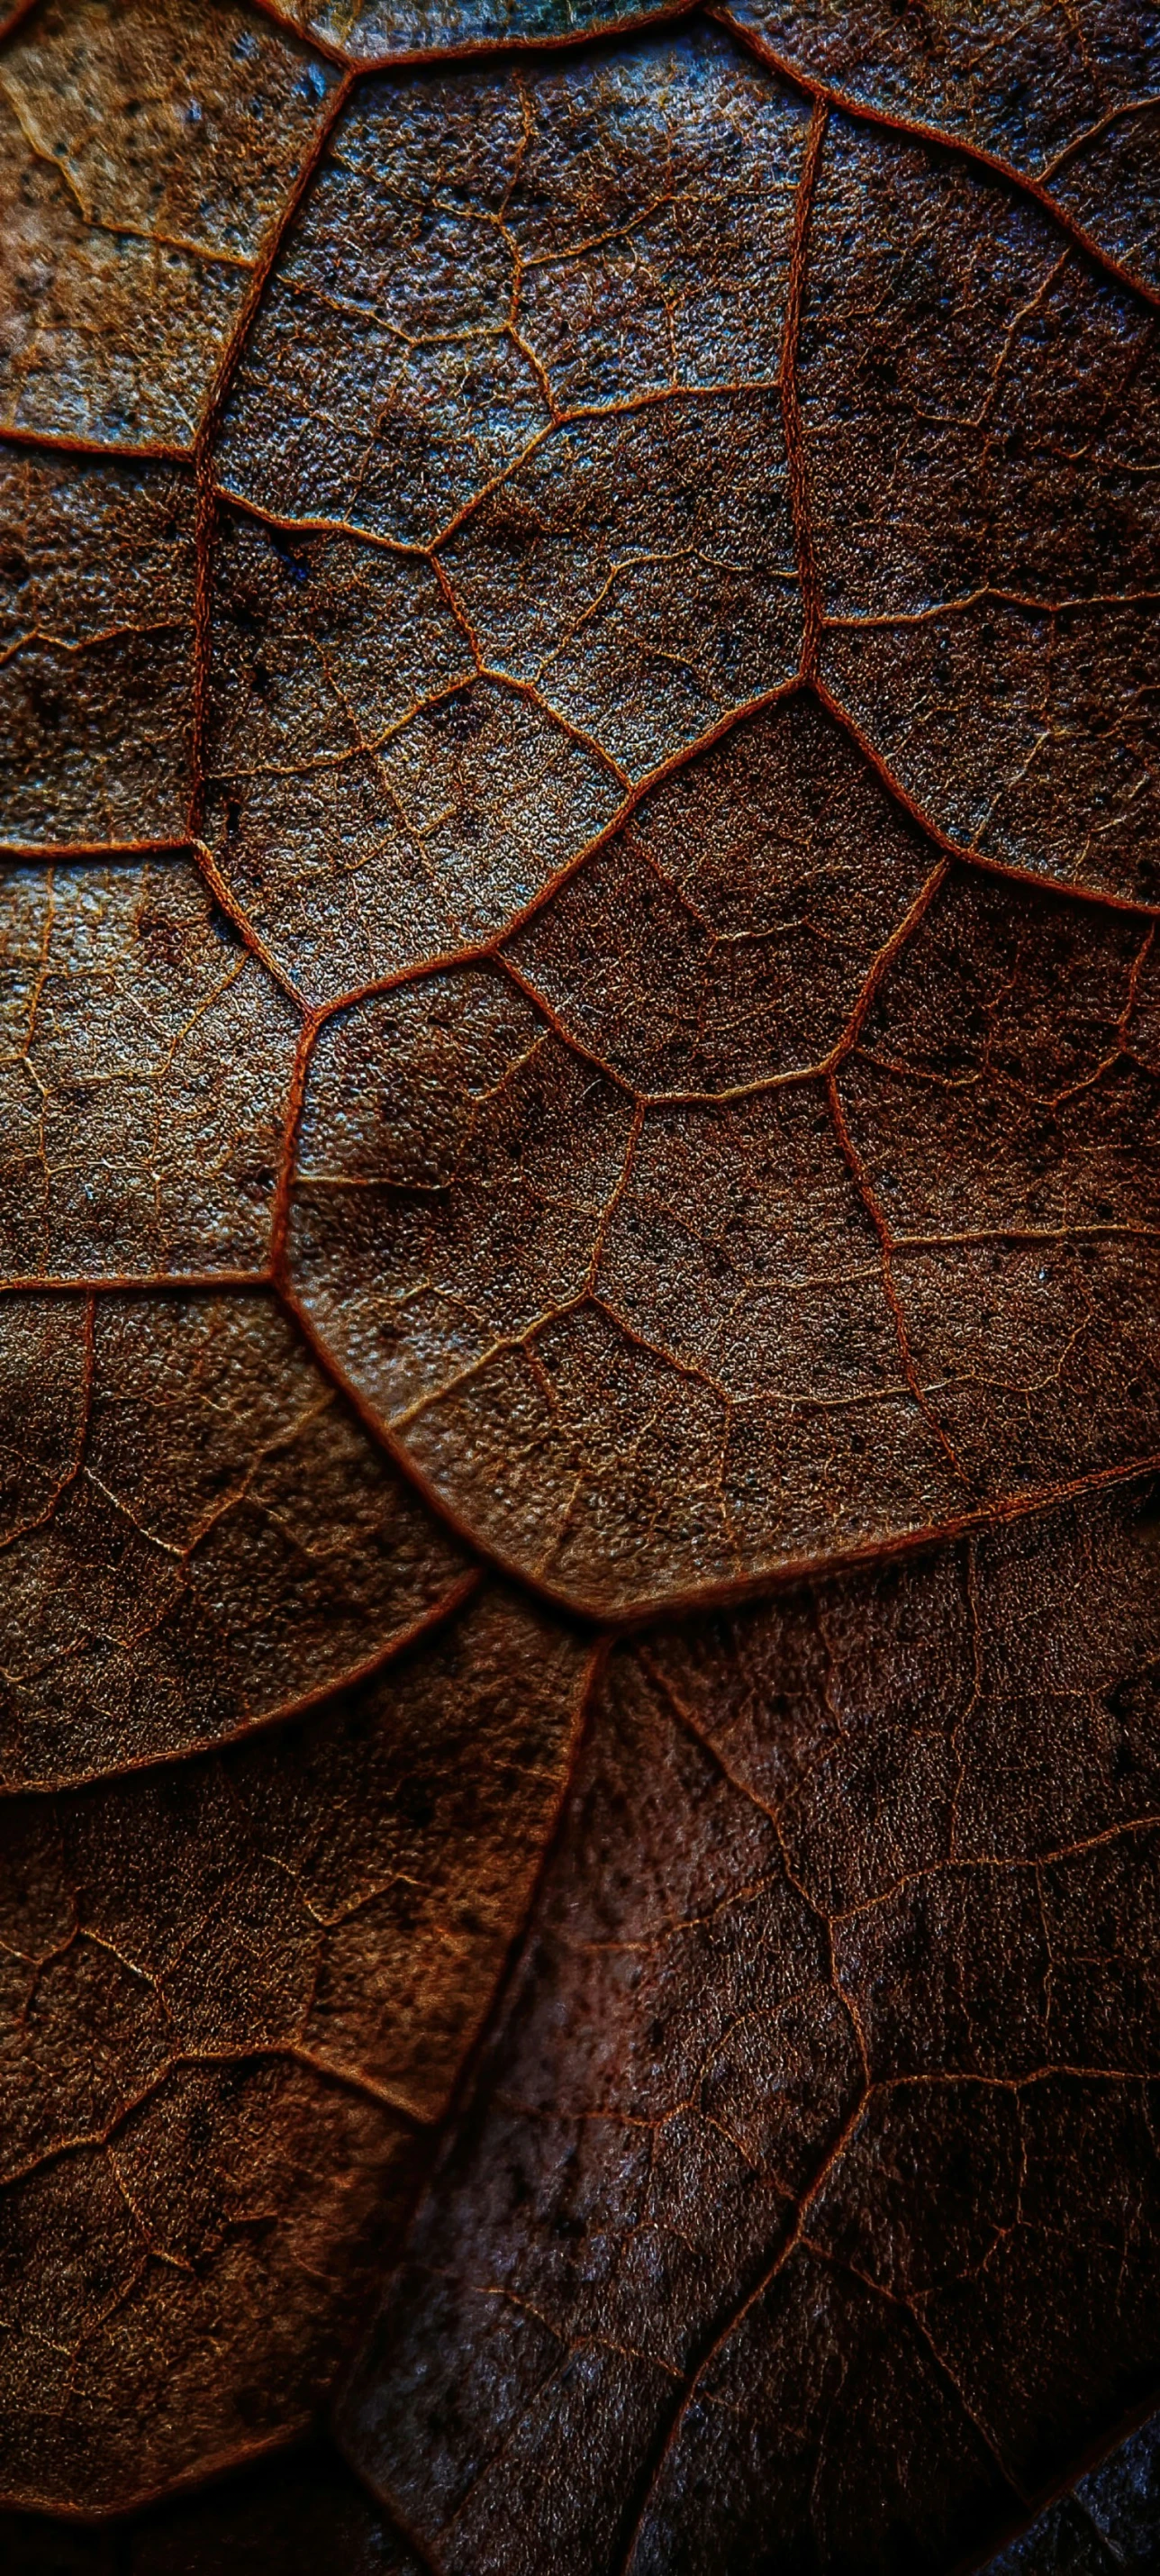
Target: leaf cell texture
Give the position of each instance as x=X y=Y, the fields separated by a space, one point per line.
x=579 y=1245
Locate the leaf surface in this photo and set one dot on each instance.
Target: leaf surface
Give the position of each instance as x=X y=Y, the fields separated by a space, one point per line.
x=145 y=153
x=579 y=1034
x=237 y=1994
x=791 y=2205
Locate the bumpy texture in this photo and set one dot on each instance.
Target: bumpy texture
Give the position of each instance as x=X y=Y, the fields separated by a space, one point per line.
x=579 y=1243
x=791 y=2214
x=197 y=1535
x=1068 y=98
x=1108 y=2520
x=146 y=152
x=235 y=1997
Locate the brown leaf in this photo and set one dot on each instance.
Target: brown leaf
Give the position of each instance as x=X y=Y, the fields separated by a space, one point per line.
x=1065 y=97
x=237 y=1993
x=366 y=30
x=196 y=1536
x=984 y=530
x=372 y=803
x=578 y=1040
x=641 y=1347
x=95 y=683
x=145 y=1075
x=144 y=155
x=792 y=2202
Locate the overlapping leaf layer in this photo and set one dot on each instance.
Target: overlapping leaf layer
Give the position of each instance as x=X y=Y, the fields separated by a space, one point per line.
x=579 y=1037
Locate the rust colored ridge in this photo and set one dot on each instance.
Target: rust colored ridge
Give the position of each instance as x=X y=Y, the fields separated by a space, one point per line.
x=756 y=892
x=581 y=1026
x=1142 y=908
x=1065 y=103
x=566 y=385
x=807 y=2185
x=196 y=1535
x=145 y=1075
x=643 y=1350
x=96 y=633
x=372 y=803
x=299 y=2513
x=607 y=227
x=235 y=1995
x=988 y=554
x=371 y=33
x=145 y=157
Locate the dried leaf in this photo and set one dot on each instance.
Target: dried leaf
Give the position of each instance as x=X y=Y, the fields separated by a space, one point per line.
x=643 y=1348
x=1065 y=97
x=364 y=30
x=237 y=1993
x=196 y=1534
x=145 y=153
x=578 y=1043
x=792 y=2211
x=145 y=1077
x=96 y=680
x=986 y=551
